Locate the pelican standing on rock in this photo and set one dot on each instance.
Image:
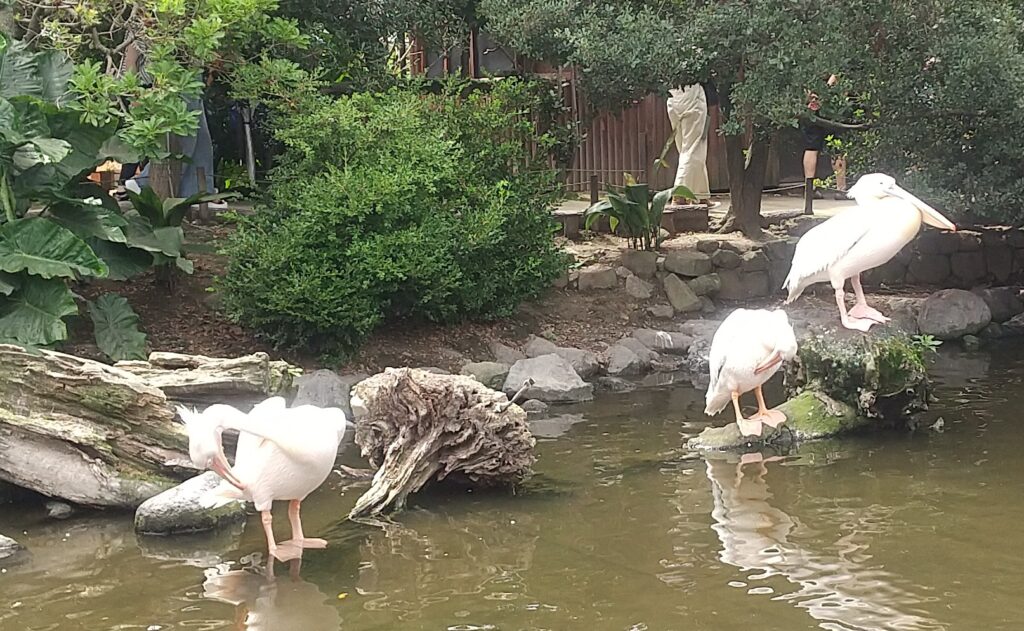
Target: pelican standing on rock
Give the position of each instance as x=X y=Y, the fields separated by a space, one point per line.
x=282 y=454
x=858 y=239
x=748 y=348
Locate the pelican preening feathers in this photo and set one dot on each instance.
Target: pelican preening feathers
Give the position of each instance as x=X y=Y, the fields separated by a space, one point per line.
x=858 y=239
x=282 y=454
x=748 y=348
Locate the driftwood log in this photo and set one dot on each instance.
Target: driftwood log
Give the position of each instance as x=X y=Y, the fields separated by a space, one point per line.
x=415 y=427
x=85 y=432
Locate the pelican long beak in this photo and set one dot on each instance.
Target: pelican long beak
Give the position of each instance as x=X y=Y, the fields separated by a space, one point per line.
x=774 y=359
x=221 y=467
x=930 y=216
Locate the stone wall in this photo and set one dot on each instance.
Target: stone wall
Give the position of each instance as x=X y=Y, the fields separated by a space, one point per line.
x=713 y=268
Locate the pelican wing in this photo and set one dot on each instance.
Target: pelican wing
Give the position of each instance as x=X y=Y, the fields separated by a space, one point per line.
x=823 y=246
x=294 y=431
x=732 y=328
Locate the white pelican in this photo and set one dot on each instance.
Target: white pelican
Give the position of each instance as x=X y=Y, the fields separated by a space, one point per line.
x=858 y=239
x=282 y=454
x=748 y=348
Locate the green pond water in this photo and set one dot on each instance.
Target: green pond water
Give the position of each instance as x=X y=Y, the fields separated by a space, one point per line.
x=618 y=530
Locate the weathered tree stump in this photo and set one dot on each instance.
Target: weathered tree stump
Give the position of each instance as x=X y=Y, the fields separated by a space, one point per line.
x=415 y=427
x=809 y=416
x=85 y=432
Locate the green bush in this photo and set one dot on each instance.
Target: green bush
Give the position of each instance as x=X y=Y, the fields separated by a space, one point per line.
x=396 y=205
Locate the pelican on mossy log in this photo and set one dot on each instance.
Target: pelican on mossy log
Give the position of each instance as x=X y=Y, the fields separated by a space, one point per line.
x=885 y=219
x=747 y=349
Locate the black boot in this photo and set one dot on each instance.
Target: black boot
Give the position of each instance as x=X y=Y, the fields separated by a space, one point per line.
x=809 y=196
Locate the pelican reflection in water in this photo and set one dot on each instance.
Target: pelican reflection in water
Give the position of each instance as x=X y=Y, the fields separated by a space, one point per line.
x=840 y=591
x=266 y=602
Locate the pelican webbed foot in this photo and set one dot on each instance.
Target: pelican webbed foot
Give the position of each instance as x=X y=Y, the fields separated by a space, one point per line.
x=772 y=418
x=864 y=312
x=749 y=427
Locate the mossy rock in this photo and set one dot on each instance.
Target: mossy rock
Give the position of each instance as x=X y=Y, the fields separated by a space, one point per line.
x=809 y=416
x=882 y=375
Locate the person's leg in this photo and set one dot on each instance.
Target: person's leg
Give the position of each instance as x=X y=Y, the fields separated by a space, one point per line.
x=814 y=142
x=690 y=113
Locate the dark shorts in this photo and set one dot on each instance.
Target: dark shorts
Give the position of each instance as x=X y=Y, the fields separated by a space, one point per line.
x=814 y=137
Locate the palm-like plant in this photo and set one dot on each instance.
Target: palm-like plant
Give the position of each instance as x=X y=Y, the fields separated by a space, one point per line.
x=636 y=211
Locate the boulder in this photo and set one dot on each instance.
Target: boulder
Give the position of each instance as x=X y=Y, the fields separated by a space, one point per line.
x=708 y=246
x=491 y=374
x=737 y=285
x=623 y=272
x=1003 y=302
x=707 y=305
x=537 y=346
x=706 y=285
x=680 y=296
x=781 y=249
x=809 y=415
x=554 y=380
x=664 y=341
x=726 y=259
x=645 y=354
x=598 y=277
x=504 y=354
x=663 y=312
x=9 y=549
x=206 y=380
x=327 y=389
x=181 y=510
x=533 y=406
x=754 y=261
x=621 y=360
x=583 y=362
x=58 y=510
x=85 y=432
x=953 y=313
x=688 y=263
x=643 y=264
x=638 y=288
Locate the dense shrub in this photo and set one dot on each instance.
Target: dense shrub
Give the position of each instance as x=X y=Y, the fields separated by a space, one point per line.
x=396 y=205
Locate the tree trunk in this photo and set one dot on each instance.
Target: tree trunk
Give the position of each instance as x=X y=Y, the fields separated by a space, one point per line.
x=165 y=175
x=746 y=182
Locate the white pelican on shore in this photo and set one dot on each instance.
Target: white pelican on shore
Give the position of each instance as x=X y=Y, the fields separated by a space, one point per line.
x=858 y=239
x=282 y=454
x=748 y=348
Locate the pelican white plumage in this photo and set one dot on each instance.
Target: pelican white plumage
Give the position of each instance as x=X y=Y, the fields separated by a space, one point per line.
x=885 y=219
x=748 y=348
x=282 y=454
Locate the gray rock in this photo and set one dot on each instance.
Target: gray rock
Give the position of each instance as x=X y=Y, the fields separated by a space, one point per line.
x=613 y=384
x=553 y=378
x=707 y=306
x=622 y=272
x=58 y=510
x=968 y=241
x=953 y=313
x=597 y=277
x=754 y=261
x=930 y=269
x=623 y=361
x=708 y=246
x=638 y=288
x=664 y=341
x=1003 y=302
x=688 y=263
x=970 y=343
x=533 y=406
x=645 y=354
x=505 y=354
x=643 y=264
x=664 y=312
x=178 y=510
x=491 y=374
x=9 y=548
x=726 y=259
x=668 y=363
x=999 y=261
x=737 y=285
x=781 y=249
x=937 y=242
x=706 y=285
x=680 y=296
x=537 y=346
x=968 y=266
x=327 y=389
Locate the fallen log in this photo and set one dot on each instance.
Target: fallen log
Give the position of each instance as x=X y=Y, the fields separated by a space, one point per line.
x=415 y=427
x=85 y=432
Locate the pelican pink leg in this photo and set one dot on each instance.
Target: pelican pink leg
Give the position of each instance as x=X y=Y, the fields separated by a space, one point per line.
x=861 y=309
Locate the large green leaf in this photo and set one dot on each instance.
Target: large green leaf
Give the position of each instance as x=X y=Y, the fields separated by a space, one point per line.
x=175 y=208
x=45 y=248
x=87 y=221
x=19 y=71
x=122 y=261
x=149 y=205
x=55 y=70
x=141 y=234
x=116 y=327
x=9 y=283
x=40 y=151
x=34 y=314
